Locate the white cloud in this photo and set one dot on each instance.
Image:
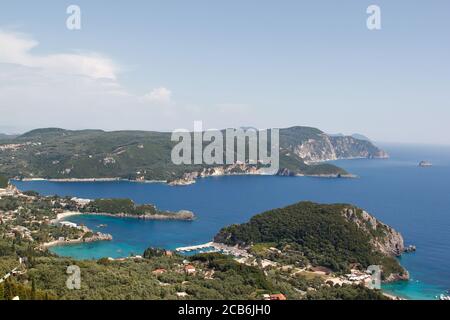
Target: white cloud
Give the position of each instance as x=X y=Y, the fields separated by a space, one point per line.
x=159 y=95
x=78 y=91
x=15 y=48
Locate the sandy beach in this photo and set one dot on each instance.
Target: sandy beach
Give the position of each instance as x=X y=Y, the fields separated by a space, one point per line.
x=61 y=242
x=64 y=215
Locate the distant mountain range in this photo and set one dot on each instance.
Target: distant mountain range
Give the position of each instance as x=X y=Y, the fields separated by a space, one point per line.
x=355 y=135
x=55 y=153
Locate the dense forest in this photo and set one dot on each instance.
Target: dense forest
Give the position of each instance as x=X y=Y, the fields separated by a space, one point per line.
x=118 y=206
x=217 y=277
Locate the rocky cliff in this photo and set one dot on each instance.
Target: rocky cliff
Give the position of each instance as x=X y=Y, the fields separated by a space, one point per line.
x=236 y=169
x=383 y=237
x=313 y=145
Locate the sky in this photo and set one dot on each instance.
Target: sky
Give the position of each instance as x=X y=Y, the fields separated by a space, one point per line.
x=161 y=65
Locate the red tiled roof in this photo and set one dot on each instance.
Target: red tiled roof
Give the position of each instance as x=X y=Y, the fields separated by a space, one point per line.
x=279 y=296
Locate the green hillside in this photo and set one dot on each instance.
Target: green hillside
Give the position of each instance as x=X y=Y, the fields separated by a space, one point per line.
x=321 y=233
x=3 y=182
x=64 y=154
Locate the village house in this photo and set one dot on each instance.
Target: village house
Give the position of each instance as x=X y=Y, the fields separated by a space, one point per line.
x=189 y=269
x=80 y=201
x=209 y=274
x=277 y=297
x=181 y=294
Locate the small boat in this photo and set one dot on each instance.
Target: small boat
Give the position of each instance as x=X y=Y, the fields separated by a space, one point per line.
x=425 y=164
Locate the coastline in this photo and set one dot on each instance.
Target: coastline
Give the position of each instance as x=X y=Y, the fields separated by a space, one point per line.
x=182 y=182
x=90 y=180
x=239 y=253
x=193 y=178
x=400 y=292
x=386 y=157
x=182 y=215
x=64 y=215
x=329 y=176
x=392 y=297
x=95 y=238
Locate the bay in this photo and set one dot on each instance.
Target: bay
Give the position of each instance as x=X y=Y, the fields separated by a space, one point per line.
x=413 y=200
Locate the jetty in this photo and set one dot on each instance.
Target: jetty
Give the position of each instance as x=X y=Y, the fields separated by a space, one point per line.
x=217 y=247
x=195 y=248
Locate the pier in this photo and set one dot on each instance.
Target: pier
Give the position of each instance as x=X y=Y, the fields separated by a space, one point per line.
x=195 y=248
x=217 y=247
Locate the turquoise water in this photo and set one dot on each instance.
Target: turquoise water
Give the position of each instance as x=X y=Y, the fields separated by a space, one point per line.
x=413 y=200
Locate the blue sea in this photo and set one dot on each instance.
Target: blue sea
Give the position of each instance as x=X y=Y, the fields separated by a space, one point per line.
x=414 y=200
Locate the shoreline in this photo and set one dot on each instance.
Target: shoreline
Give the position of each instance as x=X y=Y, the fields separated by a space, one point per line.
x=239 y=253
x=185 y=182
x=349 y=158
x=181 y=182
x=90 y=180
x=59 y=243
x=393 y=296
x=329 y=176
x=182 y=215
x=64 y=215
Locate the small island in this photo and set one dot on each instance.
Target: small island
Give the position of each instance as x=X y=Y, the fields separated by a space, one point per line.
x=425 y=164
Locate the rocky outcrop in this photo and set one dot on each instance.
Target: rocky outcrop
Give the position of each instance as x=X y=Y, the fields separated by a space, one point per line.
x=286 y=173
x=348 y=147
x=227 y=170
x=315 y=150
x=394 y=277
x=316 y=146
x=334 y=148
x=98 y=236
x=383 y=237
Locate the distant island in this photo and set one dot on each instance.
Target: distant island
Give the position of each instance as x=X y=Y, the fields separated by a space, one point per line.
x=425 y=164
x=88 y=155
